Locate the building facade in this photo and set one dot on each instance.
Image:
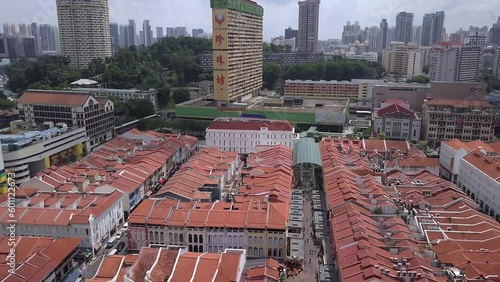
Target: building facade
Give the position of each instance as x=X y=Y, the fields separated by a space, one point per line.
x=432 y=29
x=454 y=62
x=496 y=64
x=404 y=27
x=75 y=109
x=308 y=25
x=29 y=153
x=291 y=33
x=237 y=49
x=243 y=135
x=466 y=120
x=397 y=121
x=124 y=95
x=478 y=177
x=358 y=90
x=84 y=30
x=95 y=218
x=402 y=59
x=383 y=29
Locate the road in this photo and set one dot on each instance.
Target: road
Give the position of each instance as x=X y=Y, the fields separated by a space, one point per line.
x=94 y=266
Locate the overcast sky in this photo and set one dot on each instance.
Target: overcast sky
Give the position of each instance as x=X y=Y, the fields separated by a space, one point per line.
x=278 y=14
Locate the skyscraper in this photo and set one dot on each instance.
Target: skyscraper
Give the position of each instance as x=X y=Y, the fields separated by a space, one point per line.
x=495 y=33
x=159 y=32
x=124 y=39
x=132 y=32
x=47 y=38
x=180 y=31
x=383 y=28
x=454 y=62
x=115 y=37
x=308 y=25
x=35 y=33
x=24 y=29
x=170 y=31
x=147 y=33
x=432 y=28
x=84 y=30
x=404 y=27
x=237 y=39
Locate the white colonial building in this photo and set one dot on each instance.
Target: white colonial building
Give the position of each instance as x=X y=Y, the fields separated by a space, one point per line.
x=242 y=135
x=479 y=177
x=397 y=121
x=452 y=151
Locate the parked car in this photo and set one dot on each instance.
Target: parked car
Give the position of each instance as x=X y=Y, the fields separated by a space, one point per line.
x=120 y=246
x=119 y=234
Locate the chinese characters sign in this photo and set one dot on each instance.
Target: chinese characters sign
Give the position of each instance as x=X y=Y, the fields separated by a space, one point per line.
x=220 y=60
x=221 y=85
x=220 y=39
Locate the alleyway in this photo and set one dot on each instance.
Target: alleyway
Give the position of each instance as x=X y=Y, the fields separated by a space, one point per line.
x=310 y=250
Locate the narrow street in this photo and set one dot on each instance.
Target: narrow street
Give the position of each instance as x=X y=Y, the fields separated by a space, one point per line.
x=92 y=268
x=311 y=251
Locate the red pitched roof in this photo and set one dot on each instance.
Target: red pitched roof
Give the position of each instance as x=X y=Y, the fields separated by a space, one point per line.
x=394 y=108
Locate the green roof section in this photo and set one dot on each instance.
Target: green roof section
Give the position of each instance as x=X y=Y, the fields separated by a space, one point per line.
x=306 y=151
x=238 y=5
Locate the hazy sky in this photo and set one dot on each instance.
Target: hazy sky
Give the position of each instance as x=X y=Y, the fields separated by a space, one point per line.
x=278 y=14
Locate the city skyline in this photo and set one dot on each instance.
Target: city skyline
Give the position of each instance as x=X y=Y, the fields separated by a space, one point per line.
x=173 y=13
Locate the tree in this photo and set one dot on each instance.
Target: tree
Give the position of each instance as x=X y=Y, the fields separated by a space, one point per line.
x=2 y=95
x=381 y=136
x=6 y=104
x=181 y=95
x=164 y=95
x=270 y=74
x=139 y=108
x=419 y=79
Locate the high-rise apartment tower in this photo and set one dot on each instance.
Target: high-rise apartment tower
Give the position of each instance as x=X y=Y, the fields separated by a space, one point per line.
x=308 y=25
x=84 y=30
x=237 y=49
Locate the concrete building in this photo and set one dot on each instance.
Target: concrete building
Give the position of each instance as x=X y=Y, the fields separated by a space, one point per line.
x=413 y=94
x=47 y=38
x=115 y=37
x=27 y=152
x=367 y=56
x=496 y=64
x=466 y=120
x=147 y=32
x=454 y=62
x=358 y=48
x=403 y=59
x=308 y=25
x=495 y=33
x=132 y=33
x=243 y=135
x=159 y=33
x=80 y=109
x=197 y=31
x=291 y=33
x=94 y=217
x=84 y=30
x=358 y=90
x=404 y=27
x=180 y=31
x=281 y=41
x=17 y=47
x=476 y=41
x=282 y=59
x=397 y=121
x=237 y=50
x=432 y=28
x=351 y=33
x=479 y=175
x=43 y=258
x=384 y=28
x=124 y=94
x=170 y=31
x=425 y=55
x=451 y=152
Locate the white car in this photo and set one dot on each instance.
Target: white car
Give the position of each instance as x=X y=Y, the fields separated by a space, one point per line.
x=119 y=234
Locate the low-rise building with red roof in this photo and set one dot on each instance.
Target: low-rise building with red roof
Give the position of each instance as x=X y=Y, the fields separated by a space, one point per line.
x=397 y=121
x=37 y=258
x=452 y=151
x=172 y=263
x=93 y=217
x=413 y=165
x=479 y=177
x=242 y=135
